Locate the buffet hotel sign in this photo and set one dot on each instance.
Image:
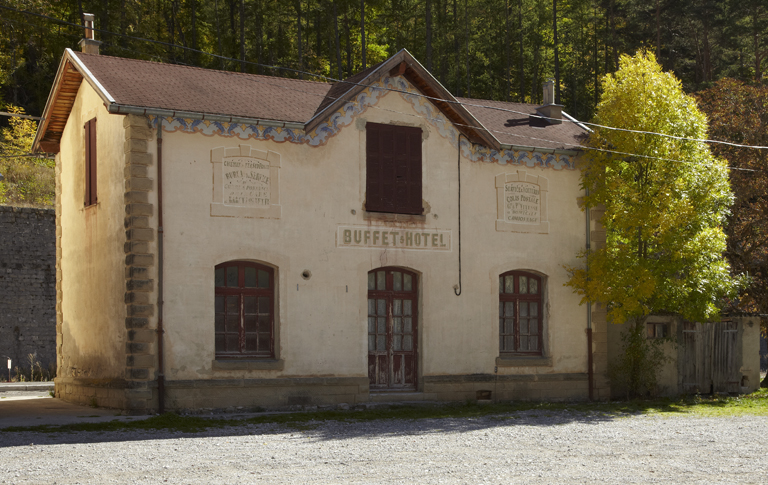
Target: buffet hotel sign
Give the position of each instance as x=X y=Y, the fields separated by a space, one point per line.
x=375 y=237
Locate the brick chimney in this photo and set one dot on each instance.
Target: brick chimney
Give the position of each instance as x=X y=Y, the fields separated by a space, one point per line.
x=552 y=111
x=88 y=44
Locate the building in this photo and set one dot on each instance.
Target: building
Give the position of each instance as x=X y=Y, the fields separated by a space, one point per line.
x=227 y=239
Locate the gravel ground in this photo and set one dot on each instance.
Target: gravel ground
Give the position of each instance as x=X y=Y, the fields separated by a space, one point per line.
x=526 y=447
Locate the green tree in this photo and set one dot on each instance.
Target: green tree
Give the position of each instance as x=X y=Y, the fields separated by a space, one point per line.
x=665 y=206
x=28 y=180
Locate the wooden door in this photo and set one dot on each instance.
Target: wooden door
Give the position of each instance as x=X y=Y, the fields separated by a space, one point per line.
x=392 y=343
x=725 y=372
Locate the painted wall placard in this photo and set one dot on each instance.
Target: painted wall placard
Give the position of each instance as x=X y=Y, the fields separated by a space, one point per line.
x=245 y=182
x=383 y=237
x=521 y=202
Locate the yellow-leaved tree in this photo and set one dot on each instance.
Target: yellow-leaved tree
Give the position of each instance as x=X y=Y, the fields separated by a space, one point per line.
x=665 y=200
x=28 y=180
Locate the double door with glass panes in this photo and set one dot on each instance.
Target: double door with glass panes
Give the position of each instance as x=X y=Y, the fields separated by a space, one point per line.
x=392 y=345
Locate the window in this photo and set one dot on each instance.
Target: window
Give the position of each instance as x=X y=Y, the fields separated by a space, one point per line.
x=90 y=162
x=245 y=295
x=520 y=310
x=393 y=169
x=656 y=330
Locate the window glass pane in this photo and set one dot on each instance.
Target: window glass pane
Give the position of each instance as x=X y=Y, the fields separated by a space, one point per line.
x=381 y=280
x=371 y=306
x=371 y=281
x=232 y=276
x=501 y=284
x=233 y=324
x=220 y=277
x=510 y=326
x=382 y=325
x=523 y=285
x=219 y=304
x=250 y=277
x=408 y=342
x=533 y=286
x=263 y=279
x=509 y=284
x=220 y=323
x=534 y=306
x=523 y=309
x=233 y=344
x=263 y=304
x=264 y=323
x=397 y=307
x=371 y=343
x=397 y=281
x=371 y=325
x=250 y=323
x=249 y=305
x=407 y=310
x=251 y=343
x=220 y=343
x=509 y=308
x=501 y=326
x=533 y=343
x=397 y=324
x=233 y=304
x=501 y=309
x=380 y=343
x=524 y=344
x=398 y=342
x=533 y=327
x=264 y=343
x=509 y=343
x=408 y=327
x=381 y=307
x=407 y=282
x=523 y=326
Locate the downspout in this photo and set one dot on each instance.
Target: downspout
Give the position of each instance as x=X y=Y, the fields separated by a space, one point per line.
x=457 y=288
x=590 y=370
x=160 y=331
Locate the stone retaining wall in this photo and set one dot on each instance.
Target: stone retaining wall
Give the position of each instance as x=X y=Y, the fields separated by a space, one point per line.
x=27 y=286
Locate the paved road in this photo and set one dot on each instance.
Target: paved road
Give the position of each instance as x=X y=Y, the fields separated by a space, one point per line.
x=526 y=447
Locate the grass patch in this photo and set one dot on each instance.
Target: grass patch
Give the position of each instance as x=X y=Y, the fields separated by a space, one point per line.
x=703 y=406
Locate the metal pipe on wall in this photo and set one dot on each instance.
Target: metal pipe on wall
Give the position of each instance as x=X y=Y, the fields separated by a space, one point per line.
x=590 y=370
x=160 y=331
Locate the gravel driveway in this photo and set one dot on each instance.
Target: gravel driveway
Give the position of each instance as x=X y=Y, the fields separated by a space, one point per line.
x=526 y=447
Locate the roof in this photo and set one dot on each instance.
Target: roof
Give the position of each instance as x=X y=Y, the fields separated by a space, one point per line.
x=136 y=86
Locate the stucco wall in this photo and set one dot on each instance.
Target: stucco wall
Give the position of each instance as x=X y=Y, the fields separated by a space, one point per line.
x=322 y=321
x=27 y=286
x=92 y=258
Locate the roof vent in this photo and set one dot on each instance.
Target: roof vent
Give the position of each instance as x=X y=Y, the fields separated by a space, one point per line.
x=552 y=112
x=89 y=44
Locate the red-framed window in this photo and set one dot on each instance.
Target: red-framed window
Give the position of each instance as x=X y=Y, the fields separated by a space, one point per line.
x=245 y=310
x=90 y=162
x=520 y=313
x=393 y=169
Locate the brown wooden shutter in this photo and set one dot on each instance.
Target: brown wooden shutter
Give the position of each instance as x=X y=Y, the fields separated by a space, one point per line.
x=393 y=169
x=90 y=162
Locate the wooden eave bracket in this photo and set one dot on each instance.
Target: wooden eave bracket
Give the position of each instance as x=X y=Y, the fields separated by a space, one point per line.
x=398 y=70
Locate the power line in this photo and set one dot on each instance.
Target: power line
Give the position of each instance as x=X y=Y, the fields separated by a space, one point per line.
x=432 y=98
x=19 y=115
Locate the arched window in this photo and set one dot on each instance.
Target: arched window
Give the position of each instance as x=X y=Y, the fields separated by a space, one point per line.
x=520 y=311
x=245 y=302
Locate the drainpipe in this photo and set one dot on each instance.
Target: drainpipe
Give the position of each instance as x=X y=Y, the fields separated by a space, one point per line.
x=160 y=332
x=590 y=371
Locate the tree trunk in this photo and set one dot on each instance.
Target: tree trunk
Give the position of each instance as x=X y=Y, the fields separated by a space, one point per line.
x=466 y=32
x=298 y=29
x=362 y=31
x=348 y=35
x=218 y=31
x=521 y=70
x=242 y=35
x=508 y=87
x=557 y=57
x=658 y=30
x=338 y=42
x=429 y=34
x=456 y=52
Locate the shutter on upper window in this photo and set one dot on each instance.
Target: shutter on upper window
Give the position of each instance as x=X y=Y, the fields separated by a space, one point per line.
x=90 y=162
x=393 y=166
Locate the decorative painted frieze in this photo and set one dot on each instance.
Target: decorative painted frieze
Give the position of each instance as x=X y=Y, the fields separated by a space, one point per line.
x=346 y=115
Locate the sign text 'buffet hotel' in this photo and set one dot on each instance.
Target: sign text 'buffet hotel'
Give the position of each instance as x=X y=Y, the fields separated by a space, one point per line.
x=374 y=237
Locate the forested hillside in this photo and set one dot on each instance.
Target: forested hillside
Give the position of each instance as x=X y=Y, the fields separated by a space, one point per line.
x=496 y=49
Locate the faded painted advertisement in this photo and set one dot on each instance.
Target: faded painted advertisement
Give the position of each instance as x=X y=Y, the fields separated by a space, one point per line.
x=522 y=203
x=373 y=237
x=245 y=182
